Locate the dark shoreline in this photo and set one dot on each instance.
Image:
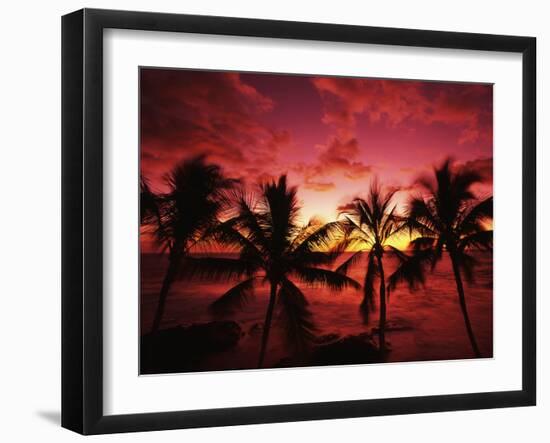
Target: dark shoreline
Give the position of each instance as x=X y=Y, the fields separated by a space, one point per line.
x=185 y=349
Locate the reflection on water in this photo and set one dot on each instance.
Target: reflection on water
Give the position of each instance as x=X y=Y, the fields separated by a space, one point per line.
x=424 y=325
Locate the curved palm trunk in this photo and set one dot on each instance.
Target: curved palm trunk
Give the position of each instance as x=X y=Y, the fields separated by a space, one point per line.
x=267 y=323
x=166 y=284
x=382 y=319
x=462 y=299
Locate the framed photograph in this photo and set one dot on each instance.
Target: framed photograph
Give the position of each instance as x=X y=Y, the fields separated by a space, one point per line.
x=269 y=221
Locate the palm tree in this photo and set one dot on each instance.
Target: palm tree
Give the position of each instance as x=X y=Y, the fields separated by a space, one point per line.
x=273 y=249
x=197 y=194
x=148 y=203
x=370 y=225
x=448 y=217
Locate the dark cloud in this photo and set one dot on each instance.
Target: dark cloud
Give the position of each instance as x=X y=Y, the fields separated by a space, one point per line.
x=483 y=166
x=346 y=207
x=184 y=113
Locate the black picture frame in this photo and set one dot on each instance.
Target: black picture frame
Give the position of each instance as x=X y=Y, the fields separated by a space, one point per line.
x=82 y=218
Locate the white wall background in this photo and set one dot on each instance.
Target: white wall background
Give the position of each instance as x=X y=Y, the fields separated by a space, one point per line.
x=30 y=219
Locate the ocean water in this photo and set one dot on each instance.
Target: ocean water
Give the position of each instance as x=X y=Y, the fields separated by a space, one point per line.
x=423 y=325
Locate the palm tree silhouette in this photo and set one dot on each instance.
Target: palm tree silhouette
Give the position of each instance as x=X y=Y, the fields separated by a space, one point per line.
x=448 y=217
x=273 y=249
x=148 y=203
x=197 y=194
x=370 y=225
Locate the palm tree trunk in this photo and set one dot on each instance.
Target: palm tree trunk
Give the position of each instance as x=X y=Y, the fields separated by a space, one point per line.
x=382 y=319
x=462 y=299
x=267 y=323
x=166 y=284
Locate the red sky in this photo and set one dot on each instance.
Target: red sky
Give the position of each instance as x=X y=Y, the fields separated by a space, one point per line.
x=331 y=135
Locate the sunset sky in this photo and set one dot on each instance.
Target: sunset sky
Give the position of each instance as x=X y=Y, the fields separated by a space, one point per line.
x=331 y=135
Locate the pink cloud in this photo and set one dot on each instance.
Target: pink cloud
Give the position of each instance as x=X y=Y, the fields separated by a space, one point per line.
x=337 y=158
x=465 y=106
x=340 y=156
x=190 y=112
x=318 y=185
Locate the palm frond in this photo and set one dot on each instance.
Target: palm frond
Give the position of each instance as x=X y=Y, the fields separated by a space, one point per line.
x=197 y=194
x=411 y=268
x=463 y=181
x=473 y=215
x=467 y=263
x=348 y=263
x=148 y=202
x=427 y=183
x=387 y=198
x=397 y=229
x=228 y=235
x=453 y=187
x=478 y=240
x=234 y=298
x=356 y=234
x=280 y=209
x=421 y=217
x=363 y=212
x=304 y=232
x=325 y=277
x=320 y=239
x=421 y=243
x=387 y=223
x=251 y=223
x=215 y=268
x=296 y=317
